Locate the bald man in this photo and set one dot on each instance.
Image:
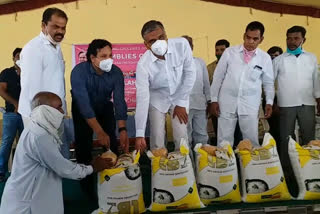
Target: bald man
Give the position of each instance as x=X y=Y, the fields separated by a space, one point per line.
x=35 y=184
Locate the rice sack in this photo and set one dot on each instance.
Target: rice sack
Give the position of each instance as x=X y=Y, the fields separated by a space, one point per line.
x=217 y=174
x=120 y=188
x=305 y=161
x=173 y=182
x=261 y=172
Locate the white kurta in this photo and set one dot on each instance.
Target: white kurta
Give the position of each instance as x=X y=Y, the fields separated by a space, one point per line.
x=42 y=69
x=237 y=87
x=35 y=184
x=200 y=93
x=297 y=79
x=164 y=83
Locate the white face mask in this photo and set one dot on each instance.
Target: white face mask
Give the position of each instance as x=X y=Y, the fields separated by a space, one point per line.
x=106 y=65
x=50 y=39
x=160 y=47
x=18 y=63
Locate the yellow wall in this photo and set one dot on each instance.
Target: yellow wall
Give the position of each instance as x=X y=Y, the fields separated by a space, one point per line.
x=120 y=21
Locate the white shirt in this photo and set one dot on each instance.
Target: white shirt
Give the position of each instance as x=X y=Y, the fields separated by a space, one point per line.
x=163 y=83
x=35 y=183
x=297 y=79
x=200 y=93
x=42 y=69
x=237 y=85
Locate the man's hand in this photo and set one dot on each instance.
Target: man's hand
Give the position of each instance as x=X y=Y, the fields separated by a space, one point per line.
x=318 y=106
x=268 y=111
x=275 y=109
x=99 y=164
x=104 y=139
x=181 y=113
x=16 y=108
x=208 y=110
x=141 y=144
x=215 y=109
x=124 y=141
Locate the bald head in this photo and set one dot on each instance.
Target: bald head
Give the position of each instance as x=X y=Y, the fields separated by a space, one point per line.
x=47 y=98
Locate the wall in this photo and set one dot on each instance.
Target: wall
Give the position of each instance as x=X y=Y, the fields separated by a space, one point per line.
x=120 y=21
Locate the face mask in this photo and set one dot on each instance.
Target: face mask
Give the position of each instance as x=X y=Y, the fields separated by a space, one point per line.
x=160 y=47
x=18 y=63
x=296 y=51
x=218 y=57
x=51 y=40
x=49 y=119
x=106 y=65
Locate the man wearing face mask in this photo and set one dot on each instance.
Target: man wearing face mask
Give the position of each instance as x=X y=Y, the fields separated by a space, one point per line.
x=94 y=83
x=165 y=78
x=35 y=184
x=298 y=88
x=12 y=121
x=237 y=83
x=42 y=64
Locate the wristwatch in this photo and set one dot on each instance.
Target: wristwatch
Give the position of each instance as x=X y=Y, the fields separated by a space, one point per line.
x=122 y=129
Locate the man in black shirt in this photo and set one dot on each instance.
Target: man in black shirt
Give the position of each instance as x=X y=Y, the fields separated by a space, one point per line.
x=12 y=121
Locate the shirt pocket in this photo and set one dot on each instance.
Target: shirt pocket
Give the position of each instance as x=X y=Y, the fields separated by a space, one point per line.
x=255 y=74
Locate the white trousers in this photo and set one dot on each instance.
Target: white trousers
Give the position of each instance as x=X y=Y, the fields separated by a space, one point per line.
x=248 y=125
x=197 y=127
x=157 y=128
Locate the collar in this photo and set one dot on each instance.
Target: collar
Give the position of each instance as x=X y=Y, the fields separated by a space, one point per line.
x=91 y=68
x=170 y=48
x=153 y=57
x=46 y=41
x=241 y=49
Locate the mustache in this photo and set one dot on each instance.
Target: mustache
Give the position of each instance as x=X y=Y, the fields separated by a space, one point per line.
x=59 y=34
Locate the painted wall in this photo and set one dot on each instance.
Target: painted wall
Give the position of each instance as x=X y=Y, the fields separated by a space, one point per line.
x=120 y=21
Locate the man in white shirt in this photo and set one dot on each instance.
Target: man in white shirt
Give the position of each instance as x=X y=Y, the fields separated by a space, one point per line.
x=298 y=88
x=164 y=79
x=236 y=86
x=42 y=64
x=199 y=98
x=35 y=184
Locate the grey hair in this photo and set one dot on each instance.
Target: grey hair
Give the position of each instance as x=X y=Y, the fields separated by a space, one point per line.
x=150 y=26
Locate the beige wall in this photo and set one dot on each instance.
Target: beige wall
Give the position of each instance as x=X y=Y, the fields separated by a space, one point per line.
x=120 y=21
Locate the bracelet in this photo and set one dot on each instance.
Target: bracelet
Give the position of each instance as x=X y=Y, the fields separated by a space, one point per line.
x=122 y=129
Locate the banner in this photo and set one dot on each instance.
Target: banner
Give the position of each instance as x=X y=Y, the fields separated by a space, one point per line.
x=126 y=57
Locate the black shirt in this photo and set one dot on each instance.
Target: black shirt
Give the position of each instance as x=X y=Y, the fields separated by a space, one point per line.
x=11 y=77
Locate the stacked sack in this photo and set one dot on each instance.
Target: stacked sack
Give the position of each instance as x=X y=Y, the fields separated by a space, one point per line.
x=217 y=174
x=120 y=188
x=261 y=172
x=173 y=182
x=305 y=161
